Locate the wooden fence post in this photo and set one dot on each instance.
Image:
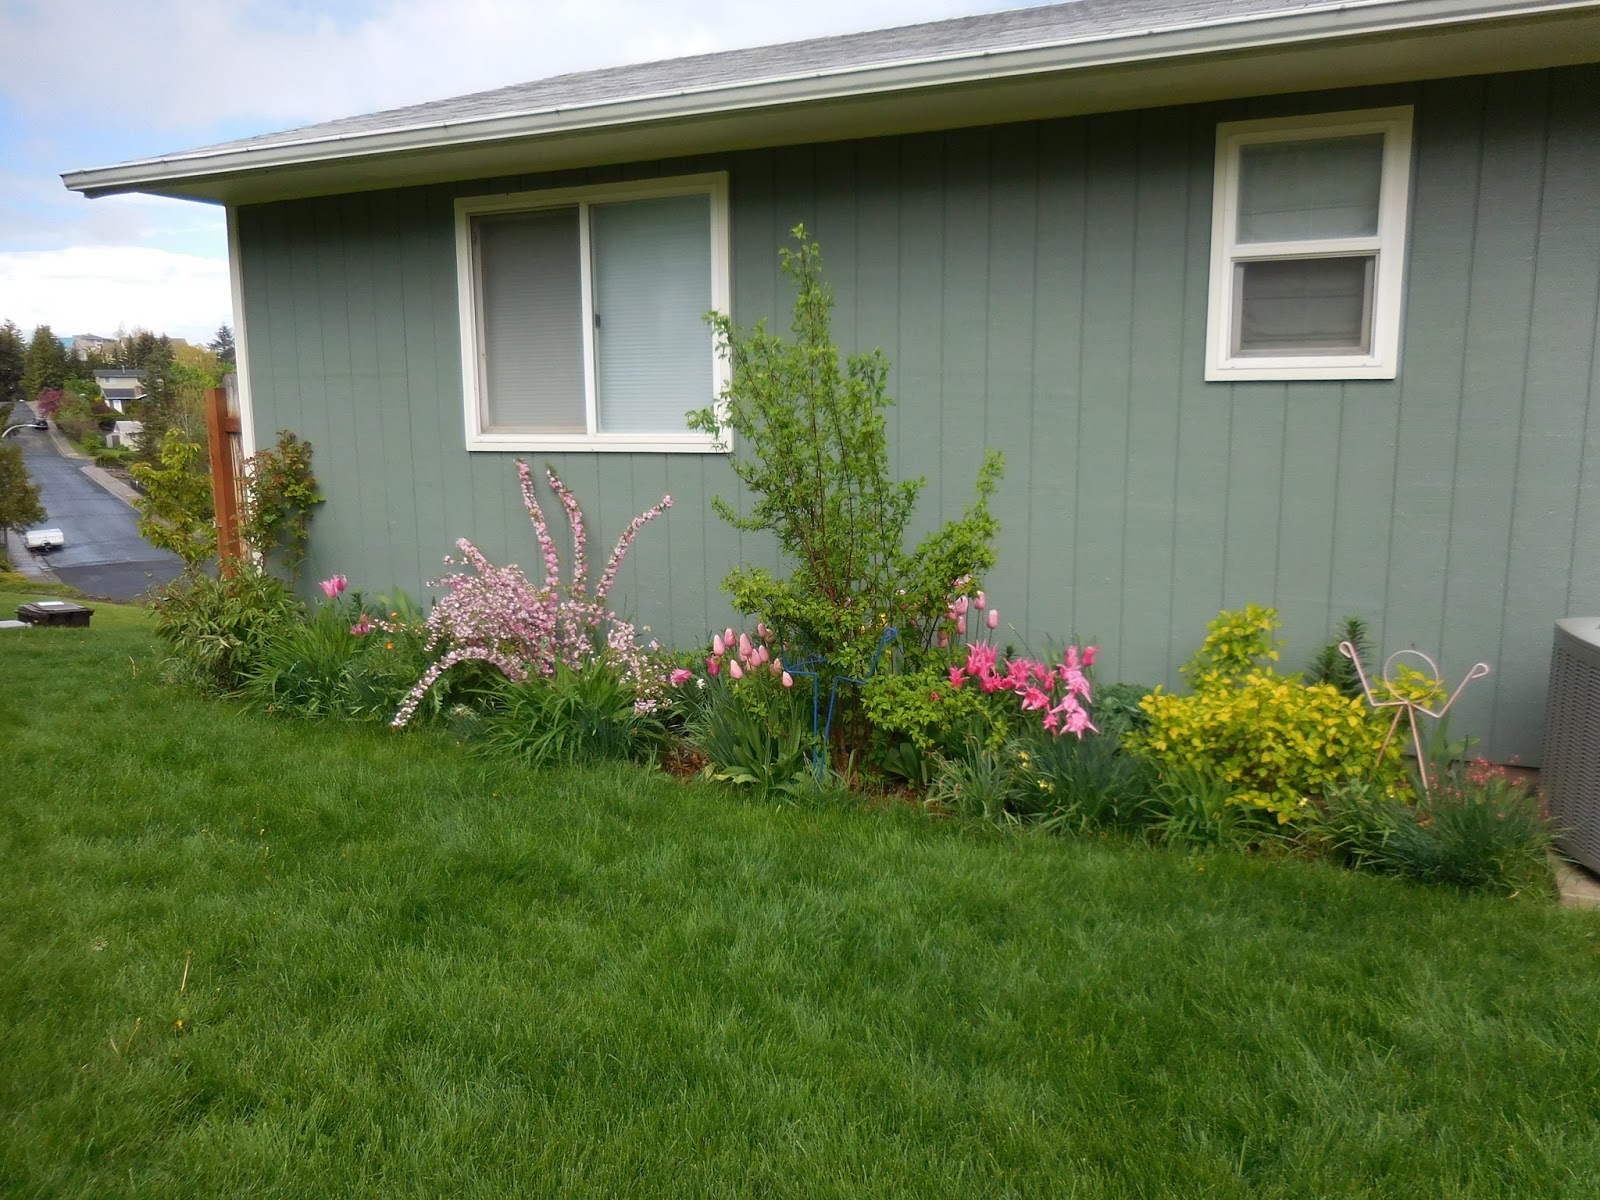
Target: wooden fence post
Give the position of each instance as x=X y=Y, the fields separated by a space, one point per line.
x=227 y=471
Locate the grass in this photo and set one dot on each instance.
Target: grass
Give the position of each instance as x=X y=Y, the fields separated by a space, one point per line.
x=405 y=971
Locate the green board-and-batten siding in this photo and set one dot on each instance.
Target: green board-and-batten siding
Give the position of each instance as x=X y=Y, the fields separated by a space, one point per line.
x=1041 y=288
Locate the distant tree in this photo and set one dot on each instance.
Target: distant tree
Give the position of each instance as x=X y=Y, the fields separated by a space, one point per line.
x=45 y=364
x=144 y=351
x=12 y=352
x=222 y=344
x=19 y=496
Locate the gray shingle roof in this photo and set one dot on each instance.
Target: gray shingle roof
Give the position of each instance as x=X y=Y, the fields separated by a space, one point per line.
x=988 y=33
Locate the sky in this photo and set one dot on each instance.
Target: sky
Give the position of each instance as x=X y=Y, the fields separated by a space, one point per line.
x=89 y=83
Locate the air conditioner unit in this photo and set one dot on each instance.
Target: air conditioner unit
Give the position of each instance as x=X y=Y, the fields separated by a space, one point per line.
x=1571 y=769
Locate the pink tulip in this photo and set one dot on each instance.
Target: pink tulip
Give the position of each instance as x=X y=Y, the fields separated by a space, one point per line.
x=961 y=605
x=788 y=679
x=745 y=649
x=362 y=627
x=713 y=666
x=332 y=587
x=680 y=675
x=944 y=640
x=763 y=654
x=727 y=635
x=957 y=677
x=993 y=619
x=961 y=623
x=1089 y=654
x=718 y=646
x=774 y=667
x=980 y=601
x=735 y=670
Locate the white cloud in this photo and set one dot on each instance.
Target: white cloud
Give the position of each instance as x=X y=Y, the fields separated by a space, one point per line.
x=201 y=64
x=96 y=289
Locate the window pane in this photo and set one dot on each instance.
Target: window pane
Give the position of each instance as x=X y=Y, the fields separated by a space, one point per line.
x=1292 y=191
x=531 y=321
x=652 y=287
x=1304 y=306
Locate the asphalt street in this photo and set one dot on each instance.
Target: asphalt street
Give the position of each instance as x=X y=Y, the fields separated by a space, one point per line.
x=104 y=555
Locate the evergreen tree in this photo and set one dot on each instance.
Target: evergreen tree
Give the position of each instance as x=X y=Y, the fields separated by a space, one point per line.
x=222 y=344
x=44 y=366
x=19 y=496
x=12 y=352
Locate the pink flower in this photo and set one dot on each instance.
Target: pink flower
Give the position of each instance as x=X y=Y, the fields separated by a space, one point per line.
x=713 y=666
x=933 y=695
x=680 y=675
x=1051 y=723
x=362 y=627
x=944 y=640
x=1089 y=654
x=1078 y=721
x=980 y=603
x=961 y=605
x=993 y=619
x=735 y=670
x=788 y=679
x=718 y=646
x=745 y=648
x=1033 y=699
x=961 y=623
x=763 y=654
x=957 y=676
x=727 y=635
x=332 y=587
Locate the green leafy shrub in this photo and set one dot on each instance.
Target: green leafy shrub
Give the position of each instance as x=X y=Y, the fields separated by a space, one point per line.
x=1274 y=741
x=918 y=718
x=571 y=716
x=217 y=626
x=175 y=511
x=1478 y=828
x=279 y=494
x=810 y=448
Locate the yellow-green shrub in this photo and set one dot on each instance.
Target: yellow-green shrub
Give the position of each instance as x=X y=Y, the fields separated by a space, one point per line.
x=1275 y=741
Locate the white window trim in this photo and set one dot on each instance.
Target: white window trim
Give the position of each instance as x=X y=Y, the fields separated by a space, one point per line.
x=714 y=185
x=1382 y=361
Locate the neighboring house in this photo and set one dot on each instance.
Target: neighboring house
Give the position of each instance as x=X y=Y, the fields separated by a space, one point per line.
x=125 y=434
x=1273 y=302
x=119 y=385
x=84 y=344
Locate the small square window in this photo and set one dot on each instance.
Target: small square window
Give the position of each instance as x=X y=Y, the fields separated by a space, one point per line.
x=582 y=321
x=1308 y=247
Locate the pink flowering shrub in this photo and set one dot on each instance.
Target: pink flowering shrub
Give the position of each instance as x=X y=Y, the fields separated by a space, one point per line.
x=497 y=615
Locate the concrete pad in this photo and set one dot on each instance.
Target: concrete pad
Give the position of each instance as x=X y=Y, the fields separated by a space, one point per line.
x=1579 y=888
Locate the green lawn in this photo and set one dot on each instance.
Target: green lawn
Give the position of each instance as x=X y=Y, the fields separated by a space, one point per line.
x=411 y=973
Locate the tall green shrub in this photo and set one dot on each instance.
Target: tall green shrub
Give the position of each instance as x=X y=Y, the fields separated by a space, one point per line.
x=809 y=444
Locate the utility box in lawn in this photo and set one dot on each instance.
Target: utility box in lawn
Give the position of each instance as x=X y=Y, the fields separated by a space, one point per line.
x=55 y=612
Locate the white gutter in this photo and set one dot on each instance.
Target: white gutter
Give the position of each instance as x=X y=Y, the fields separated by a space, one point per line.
x=1326 y=22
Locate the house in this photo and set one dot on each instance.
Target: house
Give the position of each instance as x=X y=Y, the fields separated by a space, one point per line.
x=119 y=385
x=1272 y=301
x=83 y=345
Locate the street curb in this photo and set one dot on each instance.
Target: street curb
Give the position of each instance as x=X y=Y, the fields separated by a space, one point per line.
x=25 y=562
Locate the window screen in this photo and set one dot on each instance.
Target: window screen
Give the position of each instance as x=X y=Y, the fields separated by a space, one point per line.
x=1304 y=306
x=1298 y=191
x=652 y=287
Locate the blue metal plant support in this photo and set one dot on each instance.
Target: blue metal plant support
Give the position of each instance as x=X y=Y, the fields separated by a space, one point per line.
x=810 y=667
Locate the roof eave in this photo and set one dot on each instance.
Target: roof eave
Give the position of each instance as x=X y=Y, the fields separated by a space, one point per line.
x=1280 y=52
